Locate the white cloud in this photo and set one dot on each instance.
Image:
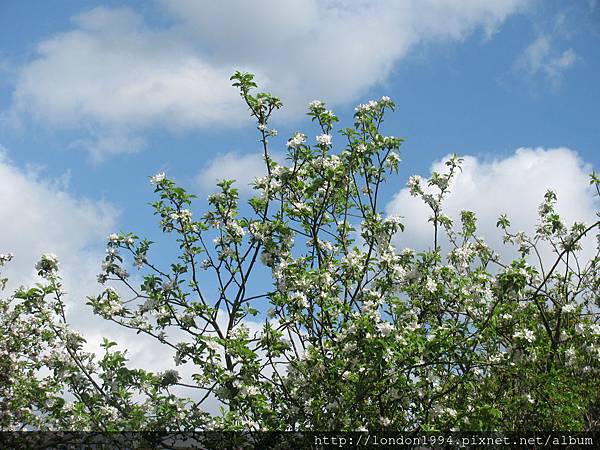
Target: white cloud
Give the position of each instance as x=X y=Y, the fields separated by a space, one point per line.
x=333 y=49
x=111 y=74
x=39 y=215
x=243 y=168
x=232 y=166
x=514 y=185
x=541 y=58
x=109 y=142
x=115 y=76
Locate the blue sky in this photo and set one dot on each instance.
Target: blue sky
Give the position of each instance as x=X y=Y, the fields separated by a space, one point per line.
x=96 y=96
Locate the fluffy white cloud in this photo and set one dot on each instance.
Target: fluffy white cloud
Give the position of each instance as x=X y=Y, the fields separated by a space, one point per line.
x=115 y=76
x=232 y=166
x=39 y=215
x=514 y=186
x=243 y=168
x=541 y=58
x=330 y=48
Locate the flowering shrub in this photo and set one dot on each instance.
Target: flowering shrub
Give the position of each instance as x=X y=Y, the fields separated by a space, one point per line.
x=355 y=333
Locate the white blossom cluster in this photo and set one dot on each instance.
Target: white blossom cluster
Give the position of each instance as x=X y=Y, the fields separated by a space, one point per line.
x=525 y=334
x=111 y=264
x=315 y=105
x=115 y=239
x=158 y=178
x=296 y=141
x=331 y=162
x=183 y=215
x=370 y=106
x=5 y=257
x=47 y=265
x=299 y=298
x=109 y=304
x=324 y=139
x=392 y=160
x=463 y=256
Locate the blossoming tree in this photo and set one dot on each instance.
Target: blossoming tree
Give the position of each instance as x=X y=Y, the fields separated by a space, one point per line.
x=354 y=334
